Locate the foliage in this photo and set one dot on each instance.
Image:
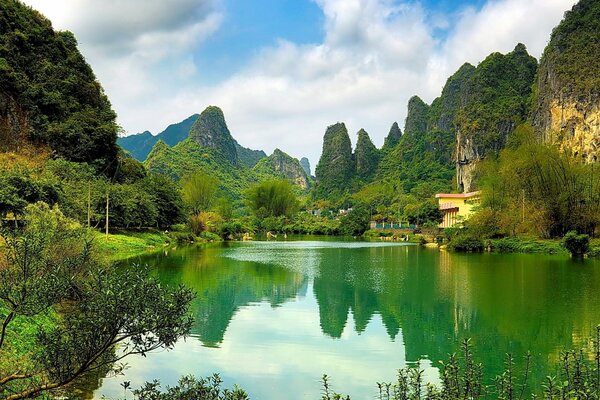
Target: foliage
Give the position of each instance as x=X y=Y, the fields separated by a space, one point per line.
x=537 y=189
x=571 y=54
x=524 y=244
x=422 y=213
x=18 y=188
x=577 y=245
x=466 y=243
x=498 y=101
x=51 y=265
x=356 y=222
x=190 y=388
x=178 y=161
x=272 y=198
x=420 y=155
x=167 y=199
x=305 y=223
x=199 y=191
x=205 y=221
x=129 y=170
x=49 y=91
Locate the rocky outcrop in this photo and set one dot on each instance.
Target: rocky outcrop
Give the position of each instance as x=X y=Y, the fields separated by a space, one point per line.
x=14 y=124
x=392 y=139
x=282 y=165
x=305 y=164
x=567 y=91
x=492 y=102
x=211 y=131
x=336 y=165
x=366 y=156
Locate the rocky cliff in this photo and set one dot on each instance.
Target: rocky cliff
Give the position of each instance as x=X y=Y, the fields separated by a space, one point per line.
x=281 y=165
x=567 y=90
x=496 y=100
x=211 y=131
x=336 y=165
x=392 y=139
x=366 y=156
x=305 y=164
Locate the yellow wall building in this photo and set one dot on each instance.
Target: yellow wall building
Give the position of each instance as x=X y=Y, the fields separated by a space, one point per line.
x=456 y=207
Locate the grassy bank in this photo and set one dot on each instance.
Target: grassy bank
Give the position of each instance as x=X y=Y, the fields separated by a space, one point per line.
x=123 y=245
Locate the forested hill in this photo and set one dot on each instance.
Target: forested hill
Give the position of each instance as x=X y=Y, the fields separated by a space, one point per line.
x=49 y=95
x=476 y=112
x=140 y=145
x=210 y=148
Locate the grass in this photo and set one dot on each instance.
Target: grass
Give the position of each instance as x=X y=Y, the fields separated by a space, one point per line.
x=123 y=245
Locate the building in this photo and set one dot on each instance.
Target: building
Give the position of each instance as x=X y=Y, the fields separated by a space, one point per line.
x=456 y=207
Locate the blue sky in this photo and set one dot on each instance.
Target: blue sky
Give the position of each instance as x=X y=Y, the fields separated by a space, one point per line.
x=283 y=70
x=252 y=25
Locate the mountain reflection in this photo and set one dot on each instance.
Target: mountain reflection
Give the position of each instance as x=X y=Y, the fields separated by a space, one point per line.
x=505 y=303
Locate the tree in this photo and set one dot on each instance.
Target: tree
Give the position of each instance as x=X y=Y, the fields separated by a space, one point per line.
x=421 y=213
x=199 y=191
x=167 y=199
x=49 y=272
x=356 y=222
x=273 y=198
x=577 y=245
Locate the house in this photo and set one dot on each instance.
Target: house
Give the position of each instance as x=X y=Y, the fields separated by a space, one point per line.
x=456 y=207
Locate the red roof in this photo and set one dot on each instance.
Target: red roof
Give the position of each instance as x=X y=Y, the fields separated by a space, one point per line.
x=457 y=195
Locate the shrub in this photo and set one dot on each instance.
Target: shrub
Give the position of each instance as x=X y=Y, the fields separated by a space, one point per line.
x=466 y=243
x=577 y=245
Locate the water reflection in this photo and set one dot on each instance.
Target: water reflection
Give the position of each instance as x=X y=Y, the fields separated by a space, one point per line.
x=375 y=306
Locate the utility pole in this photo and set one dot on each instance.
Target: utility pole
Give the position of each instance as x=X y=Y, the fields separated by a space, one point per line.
x=107 y=191
x=89 y=208
x=523 y=213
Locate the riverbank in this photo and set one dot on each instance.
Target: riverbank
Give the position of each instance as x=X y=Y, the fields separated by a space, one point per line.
x=123 y=245
x=513 y=244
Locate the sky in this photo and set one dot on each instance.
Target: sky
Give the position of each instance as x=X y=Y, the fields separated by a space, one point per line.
x=284 y=70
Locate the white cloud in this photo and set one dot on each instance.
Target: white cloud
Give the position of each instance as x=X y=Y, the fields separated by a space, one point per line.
x=375 y=55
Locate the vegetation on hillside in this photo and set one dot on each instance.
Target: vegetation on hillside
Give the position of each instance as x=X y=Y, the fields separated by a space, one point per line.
x=50 y=95
x=336 y=166
x=366 y=157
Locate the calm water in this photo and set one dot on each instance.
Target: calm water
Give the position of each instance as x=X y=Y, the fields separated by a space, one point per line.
x=274 y=316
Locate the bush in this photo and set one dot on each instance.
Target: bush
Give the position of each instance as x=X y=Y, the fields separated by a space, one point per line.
x=466 y=243
x=182 y=237
x=577 y=245
x=210 y=237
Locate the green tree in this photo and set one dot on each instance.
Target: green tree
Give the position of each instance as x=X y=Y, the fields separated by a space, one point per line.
x=356 y=222
x=51 y=265
x=199 y=191
x=272 y=198
x=166 y=197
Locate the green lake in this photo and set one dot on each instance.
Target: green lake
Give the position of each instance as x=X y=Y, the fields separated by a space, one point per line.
x=274 y=316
